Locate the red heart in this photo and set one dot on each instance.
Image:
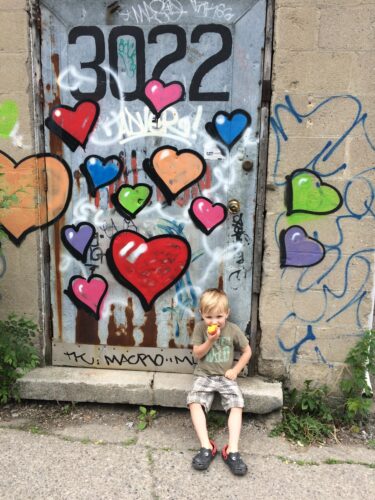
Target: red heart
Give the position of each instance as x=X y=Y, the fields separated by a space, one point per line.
x=73 y=125
x=148 y=266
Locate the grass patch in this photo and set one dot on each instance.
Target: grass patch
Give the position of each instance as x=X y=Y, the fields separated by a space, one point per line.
x=130 y=441
x=336 y=461
x=215 y=422
x=371 y=444
x=287 y=460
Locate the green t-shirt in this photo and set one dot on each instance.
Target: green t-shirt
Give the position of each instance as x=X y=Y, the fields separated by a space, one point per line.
x=220 y=357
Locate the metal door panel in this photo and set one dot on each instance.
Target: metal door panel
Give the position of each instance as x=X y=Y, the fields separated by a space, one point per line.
x=125 y=128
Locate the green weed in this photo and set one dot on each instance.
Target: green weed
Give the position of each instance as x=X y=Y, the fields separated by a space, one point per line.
x=17 y=354
x=145 y=418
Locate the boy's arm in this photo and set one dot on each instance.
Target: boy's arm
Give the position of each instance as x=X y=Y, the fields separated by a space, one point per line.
x=199 y=351
x=233 y=373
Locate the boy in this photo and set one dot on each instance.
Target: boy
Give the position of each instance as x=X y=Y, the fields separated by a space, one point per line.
x=215 y=373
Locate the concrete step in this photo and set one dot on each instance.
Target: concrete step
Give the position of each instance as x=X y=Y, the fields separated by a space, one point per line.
x=136 y=387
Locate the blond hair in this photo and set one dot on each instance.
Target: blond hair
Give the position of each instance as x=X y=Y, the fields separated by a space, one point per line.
x=213 y=300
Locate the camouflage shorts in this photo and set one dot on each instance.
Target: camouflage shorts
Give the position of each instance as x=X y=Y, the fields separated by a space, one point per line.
x=204 y=389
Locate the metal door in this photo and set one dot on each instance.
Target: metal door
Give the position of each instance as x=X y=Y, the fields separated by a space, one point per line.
x=154 y=106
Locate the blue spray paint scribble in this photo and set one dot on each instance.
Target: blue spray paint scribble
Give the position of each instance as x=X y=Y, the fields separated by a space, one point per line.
x=337 y=265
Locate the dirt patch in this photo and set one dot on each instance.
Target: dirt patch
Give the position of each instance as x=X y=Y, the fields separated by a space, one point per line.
x=46 y=416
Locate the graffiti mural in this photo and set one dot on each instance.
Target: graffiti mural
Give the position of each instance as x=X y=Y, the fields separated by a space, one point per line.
x=207 y=215
x=130 y=200
x=8 y=118
x=126 y=105
x=297 y=249
x=73 y=125
x=100 y=172
x=77 y=239
x=148 y=266
x=159 y=96
x=316 y=229
x=173 y=171
x=38 y=173
x=228 y=128
x=88 y=294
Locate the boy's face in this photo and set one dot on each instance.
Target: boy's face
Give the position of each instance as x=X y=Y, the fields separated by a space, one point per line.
x=218 y=318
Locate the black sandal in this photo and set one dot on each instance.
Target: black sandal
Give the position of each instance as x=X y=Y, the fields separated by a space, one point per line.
x=204 y=457
x=234 y=462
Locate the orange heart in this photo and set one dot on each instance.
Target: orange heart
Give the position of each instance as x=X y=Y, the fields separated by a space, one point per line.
x=40 y=188
x=174 y=171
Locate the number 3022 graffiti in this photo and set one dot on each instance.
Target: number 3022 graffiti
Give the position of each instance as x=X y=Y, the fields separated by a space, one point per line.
x=195 y=94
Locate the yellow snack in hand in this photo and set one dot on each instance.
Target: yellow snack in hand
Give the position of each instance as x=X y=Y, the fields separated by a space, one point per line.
x=212 y=329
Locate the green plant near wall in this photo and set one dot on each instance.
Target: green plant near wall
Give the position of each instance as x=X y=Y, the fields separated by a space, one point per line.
x=7 y=201
x=354 y=385
x=307 y=417
x=17 y=354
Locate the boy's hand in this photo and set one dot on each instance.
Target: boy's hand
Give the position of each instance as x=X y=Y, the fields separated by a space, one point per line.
x=231 y=374
x=213 y=338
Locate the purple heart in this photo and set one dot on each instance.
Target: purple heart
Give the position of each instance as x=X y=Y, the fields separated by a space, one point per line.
x=77 y=239
x=298 y=249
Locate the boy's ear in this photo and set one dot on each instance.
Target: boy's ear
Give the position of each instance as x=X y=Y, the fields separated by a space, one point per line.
x=228 y=312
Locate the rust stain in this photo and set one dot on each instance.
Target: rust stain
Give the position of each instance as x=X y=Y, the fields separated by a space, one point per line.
x=56 y=240
x=149 y=329
x=86 y=328
x=133 y=163
x=220 y=284
x=190 y=326
x=77 y=177
x=56 y=147
x=172 y=344
x=129 y=315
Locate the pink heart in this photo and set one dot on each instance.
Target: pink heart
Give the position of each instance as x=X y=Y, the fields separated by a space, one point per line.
x=161 y=96
x=88 y=294
x=207 y=215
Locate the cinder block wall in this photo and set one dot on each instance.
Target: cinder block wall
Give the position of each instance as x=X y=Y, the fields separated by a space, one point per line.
x=20 y=290
x=323 y=120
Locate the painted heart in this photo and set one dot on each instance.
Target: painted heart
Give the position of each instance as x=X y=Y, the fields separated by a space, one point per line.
x=148 y=266
x=8 y=117
x=100 y=172
x=73 y=125
x=129 y=200
x=174 y=171
x=207 y=215
x=307 y=193
x=26 y=181
x=88 y=294
x=229 y=127
x=159 y=96
x=77 y=239
x=297 y=249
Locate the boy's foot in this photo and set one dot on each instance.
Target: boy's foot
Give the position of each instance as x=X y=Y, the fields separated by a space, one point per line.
x=204 y=457
x=234 y=462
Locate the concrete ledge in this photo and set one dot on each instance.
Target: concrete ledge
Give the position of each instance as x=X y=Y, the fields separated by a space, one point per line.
x=136 y=387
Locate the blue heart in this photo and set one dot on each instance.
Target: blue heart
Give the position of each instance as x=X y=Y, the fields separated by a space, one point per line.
x=100 y=172
x=230 y=127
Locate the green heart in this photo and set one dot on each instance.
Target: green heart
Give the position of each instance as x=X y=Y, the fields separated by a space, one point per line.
x=133 y=198
x=8 y=117
x=310 y=195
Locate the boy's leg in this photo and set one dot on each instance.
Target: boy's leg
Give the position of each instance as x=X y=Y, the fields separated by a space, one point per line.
x=198 y=418
x=234 y=427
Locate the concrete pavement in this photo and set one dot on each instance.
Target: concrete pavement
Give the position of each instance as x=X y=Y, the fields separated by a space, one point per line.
x=96 y=452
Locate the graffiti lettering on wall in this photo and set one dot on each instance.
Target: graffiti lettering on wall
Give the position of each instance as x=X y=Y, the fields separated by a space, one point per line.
x=37 y=173
x=324 y=240
x=164 y=360
x=158 y=94
x=171 y=11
